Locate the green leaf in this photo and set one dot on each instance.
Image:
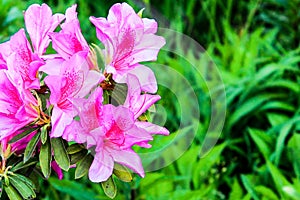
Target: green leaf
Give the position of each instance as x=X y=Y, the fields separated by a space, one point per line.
x=74 y=189
x=294 y=153
x=25 y=190
x=249 y=106
x=12 y=193
x=31 y=147
x=21 y=165
x=25 y=180
x=291 y=192
x=122 y=173
x=249 y=187
x=44 y=133
x=83 y=166
x=279 y=179
x=109 y=187
x=206 y=163
x=45 y=159
x=74 y=148
x=280 y=143
x=60 y=153
x=258 y=137
x=266 y=192
x=236 y=191
x=78 y=156
x=23 y=134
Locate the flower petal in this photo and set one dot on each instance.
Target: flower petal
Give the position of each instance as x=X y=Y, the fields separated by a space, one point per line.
x=39 y=22
x=129 y=159
x=101 y=168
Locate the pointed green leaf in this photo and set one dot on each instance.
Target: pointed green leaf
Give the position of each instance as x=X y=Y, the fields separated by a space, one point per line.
x=236 y=191
x=83 y=166
x=26 y=180
x=122 y=173
x=249 y=187
x=45 y=159
x=258 y=136
x=12 y=193
x=78 y=156
x=266 y=192
x=31 y=147
x=109 y=187
x=60 y=153
x=278 y=178
x=78 y=191
x=44 y=133
x=25 y=190
x=21 y=165
x=23 y=134
x=75 y=148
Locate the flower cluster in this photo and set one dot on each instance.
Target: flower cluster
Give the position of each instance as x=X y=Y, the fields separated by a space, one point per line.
x=66 y=89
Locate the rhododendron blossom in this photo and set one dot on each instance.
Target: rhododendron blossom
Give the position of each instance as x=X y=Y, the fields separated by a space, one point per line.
x=17 y=106
x=128 y=40
x=61 y=109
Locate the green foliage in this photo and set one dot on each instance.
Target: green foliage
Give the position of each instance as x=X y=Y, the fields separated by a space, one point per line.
x=255 y=45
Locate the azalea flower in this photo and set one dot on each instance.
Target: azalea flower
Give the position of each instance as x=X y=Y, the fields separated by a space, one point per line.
x=5 y=51
x=39 y=22
x=128 y=39
x=18 y=107
x=67 y=79
x=114 y=130
x=69 y=40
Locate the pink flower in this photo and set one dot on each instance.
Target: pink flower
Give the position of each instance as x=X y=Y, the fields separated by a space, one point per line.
x=39 y=22
x=22 y=61
x=5 y=51
x=57 y=170
x=69 y=40
x=68 y=79
x=113 y=130
x=128 y=39
x=16 y=106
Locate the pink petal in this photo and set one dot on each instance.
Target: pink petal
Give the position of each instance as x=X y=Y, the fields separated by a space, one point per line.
x=39 y=22
x=52 y=66
x=152 y=128
x=92 y=79
x=150 y=25
x=57 y=169
x=59 y=120
x=129 y=159
x=145 y=77
x=123 y=118
x=148 y=48
x=101 y=168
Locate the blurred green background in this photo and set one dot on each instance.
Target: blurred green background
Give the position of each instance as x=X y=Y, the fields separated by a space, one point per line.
x=255 y=46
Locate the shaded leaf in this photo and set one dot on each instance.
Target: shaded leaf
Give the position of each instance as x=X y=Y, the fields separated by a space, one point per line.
x=22 y=165
x=31 y=147
x=109 y=187
x=78 y=156
x=25 y=190
x=23 y=134
x=122 y=173
x=12 y=193
x=74 y=189
x=45 y=159
x=74 y=148
x=44 y=133
x=60 y=153
x=83 y=166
